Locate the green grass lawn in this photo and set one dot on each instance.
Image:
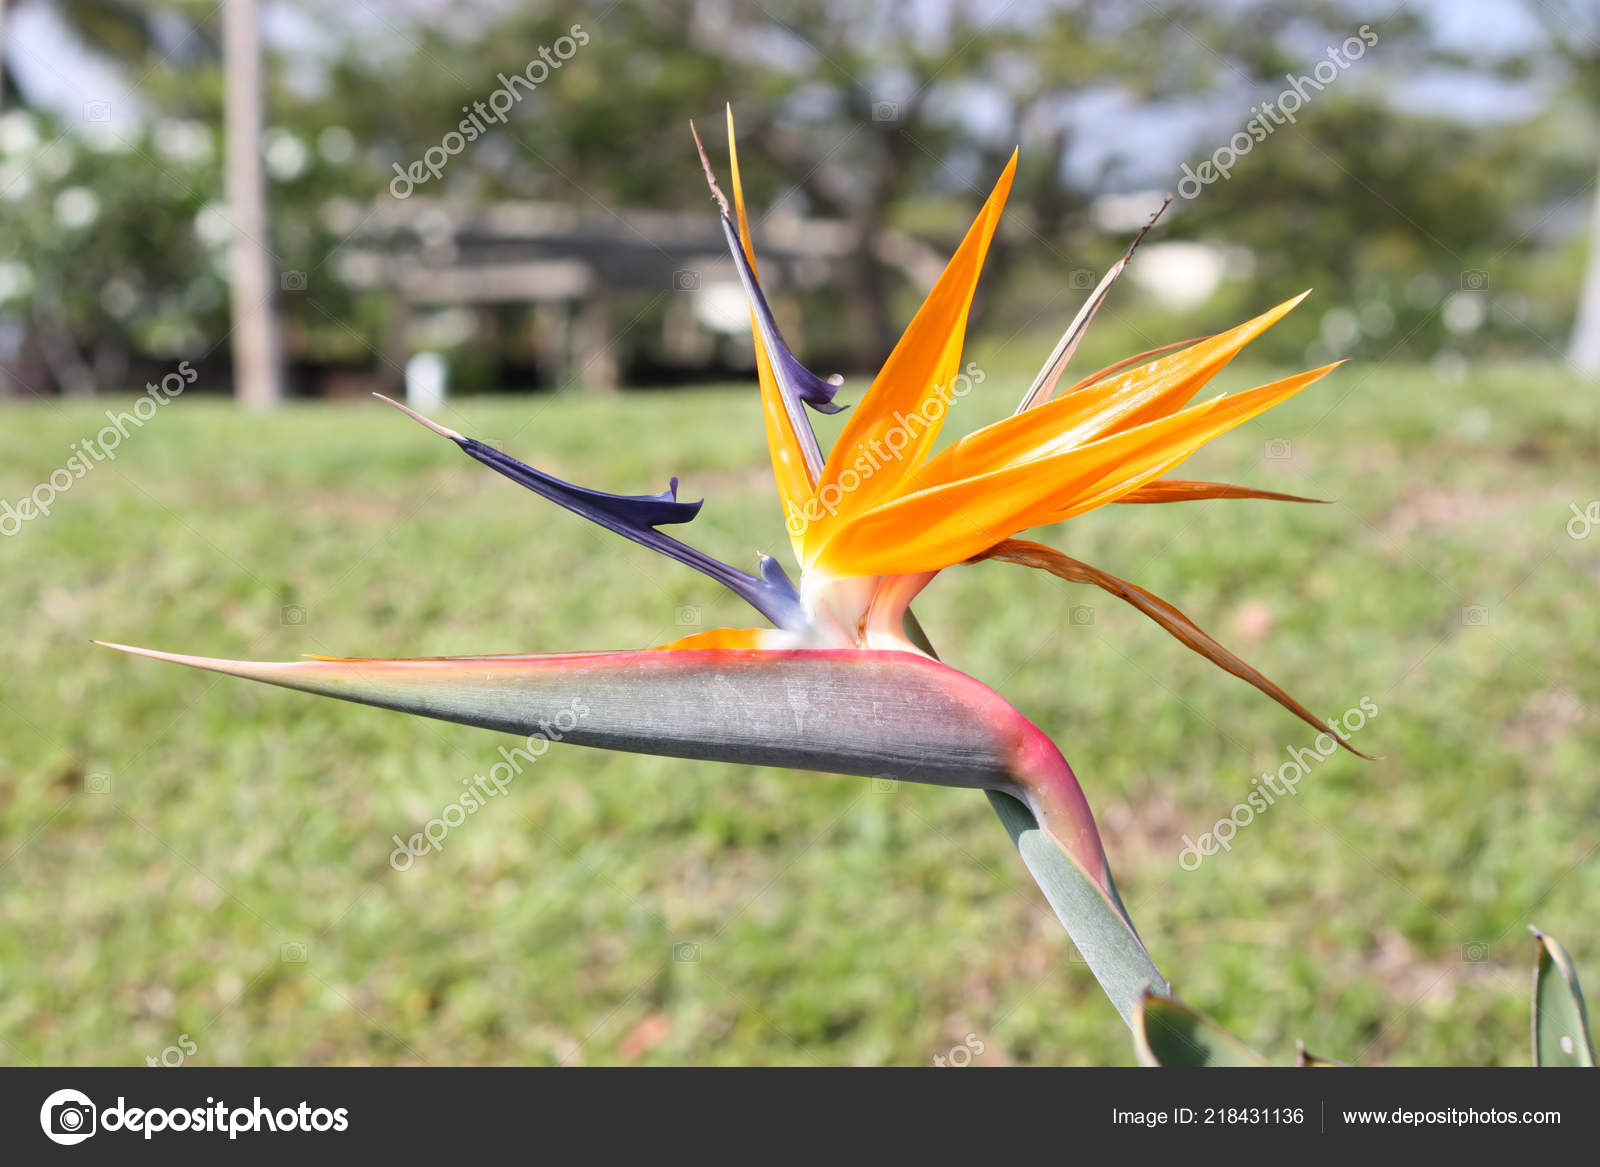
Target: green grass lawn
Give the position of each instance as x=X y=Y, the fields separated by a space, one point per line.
x=170 y=840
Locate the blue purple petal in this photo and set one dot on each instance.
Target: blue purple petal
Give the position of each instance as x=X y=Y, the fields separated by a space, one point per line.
x=793 y=377
x=635 y=517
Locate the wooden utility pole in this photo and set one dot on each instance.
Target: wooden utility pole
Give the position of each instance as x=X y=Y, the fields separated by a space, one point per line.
x=1584 y=353
x=257 y=373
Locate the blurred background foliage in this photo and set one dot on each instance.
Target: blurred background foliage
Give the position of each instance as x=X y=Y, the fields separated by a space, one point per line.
x=1457 y=155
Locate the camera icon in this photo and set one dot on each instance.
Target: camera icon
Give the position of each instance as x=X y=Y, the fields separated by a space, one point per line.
x=292 y=616
x=1475 y=952
x=294 y=281
x=1081 y=279
x=685 y=280
x=1474 y=615
x=97 y=782
x=686 y=952
x=688 y=615
x=885 y=111
x=1082 y=615
x=72 y=1118
x=1279 y=450
x=294 y=952
x=68 y=1117
x=97 y=111
x=1474 y=280
x=883 y=784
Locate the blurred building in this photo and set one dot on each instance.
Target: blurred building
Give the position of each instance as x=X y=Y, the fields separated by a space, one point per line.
x=578 y=295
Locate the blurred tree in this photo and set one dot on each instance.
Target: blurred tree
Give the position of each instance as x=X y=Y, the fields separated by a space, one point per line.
x=112 y=247
x=145 y=271
x=865 y=112
x=1387 y=213
x=892 y=119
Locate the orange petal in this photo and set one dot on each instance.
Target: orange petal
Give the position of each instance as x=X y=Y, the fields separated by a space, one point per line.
x=1180 y=490
x=1124 y=401
x=919 y=372
x=789 y=467
x=1133 y=360
x=1212 y=418
x=738 y=198
x=952 y=521
x=1037 y=555
x=1200 y=363
x=758 y=638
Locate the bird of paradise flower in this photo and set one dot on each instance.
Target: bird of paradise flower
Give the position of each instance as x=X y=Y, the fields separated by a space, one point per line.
x=844 y=680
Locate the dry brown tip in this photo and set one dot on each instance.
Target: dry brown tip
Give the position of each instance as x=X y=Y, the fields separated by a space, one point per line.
x=711 y=178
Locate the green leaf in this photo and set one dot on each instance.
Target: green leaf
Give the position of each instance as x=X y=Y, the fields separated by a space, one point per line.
x=1166 y=1032
x=1560 y=1020
x=1093 y=913
x=1096 y=922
